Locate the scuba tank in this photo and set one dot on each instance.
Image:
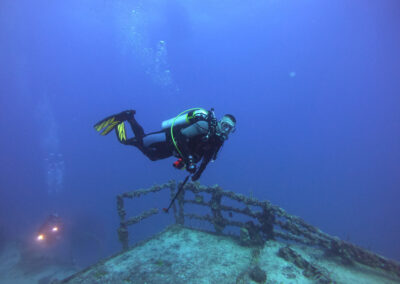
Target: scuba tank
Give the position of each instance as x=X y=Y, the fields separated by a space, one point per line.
x=185 y=118
x=188 y=117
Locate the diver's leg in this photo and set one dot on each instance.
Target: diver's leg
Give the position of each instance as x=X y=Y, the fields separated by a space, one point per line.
x=138 y=143
x=153 y=145
x=156 y=147
x=136 y=127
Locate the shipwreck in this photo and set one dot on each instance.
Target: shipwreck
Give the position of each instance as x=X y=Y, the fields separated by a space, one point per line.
x=246 y=241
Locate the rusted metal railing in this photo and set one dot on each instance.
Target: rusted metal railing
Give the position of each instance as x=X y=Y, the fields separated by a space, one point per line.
x=267 y=222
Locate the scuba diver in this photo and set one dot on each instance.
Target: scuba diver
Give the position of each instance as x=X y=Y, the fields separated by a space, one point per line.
x=194 y=135
x=50 y=230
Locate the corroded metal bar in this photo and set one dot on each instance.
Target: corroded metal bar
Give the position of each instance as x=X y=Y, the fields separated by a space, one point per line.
x=120 y=208
x=140 y=192
x=210 y=219
x=123 y=237
x=122 y=230
x=136 y=219
x=172 y=189
x=215 y=203
x=180 y=214
x=245 y=211
x=123 y=234
x=354 y=253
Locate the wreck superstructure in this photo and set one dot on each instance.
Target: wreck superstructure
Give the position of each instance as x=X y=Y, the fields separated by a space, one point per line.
x=264 y=226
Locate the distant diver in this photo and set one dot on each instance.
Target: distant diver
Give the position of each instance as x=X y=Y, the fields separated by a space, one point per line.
x=194 y=135
x=50 y=231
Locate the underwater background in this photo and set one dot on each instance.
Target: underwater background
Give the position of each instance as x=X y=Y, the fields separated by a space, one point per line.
x=314 y=86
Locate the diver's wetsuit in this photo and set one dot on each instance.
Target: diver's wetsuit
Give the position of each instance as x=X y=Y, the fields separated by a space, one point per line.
x=192 y=141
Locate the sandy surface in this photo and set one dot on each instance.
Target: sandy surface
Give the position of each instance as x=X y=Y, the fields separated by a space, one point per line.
x=41 y=269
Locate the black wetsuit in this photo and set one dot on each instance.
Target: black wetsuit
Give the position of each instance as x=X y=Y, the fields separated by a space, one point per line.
x=158 y=145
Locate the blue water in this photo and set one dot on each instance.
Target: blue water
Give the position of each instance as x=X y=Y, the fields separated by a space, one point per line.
x=313 y=84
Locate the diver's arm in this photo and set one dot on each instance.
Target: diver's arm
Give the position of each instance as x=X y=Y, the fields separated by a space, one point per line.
x=210 y=154
x=206 y=159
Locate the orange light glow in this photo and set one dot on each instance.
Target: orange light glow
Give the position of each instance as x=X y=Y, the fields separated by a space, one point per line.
x=55 y=229
x=40 y=237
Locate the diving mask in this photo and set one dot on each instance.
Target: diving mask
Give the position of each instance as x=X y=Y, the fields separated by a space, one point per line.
x=226 y=125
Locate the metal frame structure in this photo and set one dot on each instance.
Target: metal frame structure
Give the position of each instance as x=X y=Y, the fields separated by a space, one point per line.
x=267 y=222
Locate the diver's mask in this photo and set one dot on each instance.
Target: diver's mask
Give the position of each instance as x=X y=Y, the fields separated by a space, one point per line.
x=226 y=126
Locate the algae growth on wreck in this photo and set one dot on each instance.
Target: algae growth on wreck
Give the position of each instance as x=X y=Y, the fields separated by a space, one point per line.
x=273 y=247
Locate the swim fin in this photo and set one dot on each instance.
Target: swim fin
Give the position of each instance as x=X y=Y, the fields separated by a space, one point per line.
x=107 y=124
x=121 y=133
